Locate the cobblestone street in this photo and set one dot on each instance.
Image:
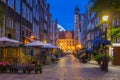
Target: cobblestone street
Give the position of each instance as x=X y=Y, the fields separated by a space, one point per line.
x=68 y=68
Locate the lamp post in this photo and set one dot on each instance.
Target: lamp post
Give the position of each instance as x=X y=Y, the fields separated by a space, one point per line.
x=105 y=60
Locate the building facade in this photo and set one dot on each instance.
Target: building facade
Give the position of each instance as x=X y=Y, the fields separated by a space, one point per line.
x=96 y=40
x=65 y=41
x=23 y=18
x=25 y=21
x=54 y=31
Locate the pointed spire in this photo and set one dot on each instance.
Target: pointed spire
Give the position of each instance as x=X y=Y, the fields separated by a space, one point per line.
x=76 y=10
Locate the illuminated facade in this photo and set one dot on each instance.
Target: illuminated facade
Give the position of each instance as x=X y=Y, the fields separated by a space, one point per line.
x=66 y=44
x=65 y=41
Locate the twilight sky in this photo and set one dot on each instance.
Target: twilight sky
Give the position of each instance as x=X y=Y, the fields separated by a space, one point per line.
x=63 y=11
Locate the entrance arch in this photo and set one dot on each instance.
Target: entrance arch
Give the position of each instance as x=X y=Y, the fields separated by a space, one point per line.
x=68 y=52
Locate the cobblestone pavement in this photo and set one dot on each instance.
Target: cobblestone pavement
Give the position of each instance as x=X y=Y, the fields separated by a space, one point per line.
x=68 y=68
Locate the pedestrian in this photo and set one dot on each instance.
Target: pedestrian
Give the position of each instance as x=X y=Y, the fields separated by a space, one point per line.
x=38 y=67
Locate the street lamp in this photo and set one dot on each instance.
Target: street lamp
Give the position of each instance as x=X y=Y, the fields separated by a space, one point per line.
x=105 y=60
x=45 y=41
x=105 y=18
x=32 y=37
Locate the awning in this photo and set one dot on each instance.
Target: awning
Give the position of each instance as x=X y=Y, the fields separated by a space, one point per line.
x=99 y=41
x=49 y=46
x=96 y=40
x=36 y=43
x=106 y=42
x=89 y=50
x=116 y=44
x=6 y=42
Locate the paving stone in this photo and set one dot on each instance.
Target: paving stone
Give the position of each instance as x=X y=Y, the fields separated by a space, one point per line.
x=68 y=68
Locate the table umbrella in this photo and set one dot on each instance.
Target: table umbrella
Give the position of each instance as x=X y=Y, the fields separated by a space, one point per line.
x=36 y=43
x=7 y=42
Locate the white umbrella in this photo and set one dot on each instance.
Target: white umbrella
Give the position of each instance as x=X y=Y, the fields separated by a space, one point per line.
x=36 y=43
x=49 y=46
x=5 y=42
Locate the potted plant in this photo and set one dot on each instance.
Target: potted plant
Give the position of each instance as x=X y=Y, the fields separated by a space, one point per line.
x=99 y=58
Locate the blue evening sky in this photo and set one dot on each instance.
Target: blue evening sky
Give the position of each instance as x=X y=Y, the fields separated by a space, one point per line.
x=63 y=11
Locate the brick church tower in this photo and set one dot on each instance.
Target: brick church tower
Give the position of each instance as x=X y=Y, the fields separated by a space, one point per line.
x=77 y=29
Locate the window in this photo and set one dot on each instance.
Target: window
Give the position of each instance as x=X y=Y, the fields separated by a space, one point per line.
x=17 y=28
x=23 y=32
x=9 y=35
x=17 y=6
x=29 y=2
x=36 y=30
x=2 y=28
x=36 y=2
x=10 y=23
x=26 y=12
x=31 y=16
x=27 y=33
x=23 y=10
x=11 y=3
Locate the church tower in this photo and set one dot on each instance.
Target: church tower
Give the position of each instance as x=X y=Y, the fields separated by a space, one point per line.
x=77 y=29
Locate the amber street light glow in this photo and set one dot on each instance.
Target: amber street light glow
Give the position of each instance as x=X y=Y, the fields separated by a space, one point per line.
x=32 y=36
x=44 y=41
x=105 y=18
x=61 y=44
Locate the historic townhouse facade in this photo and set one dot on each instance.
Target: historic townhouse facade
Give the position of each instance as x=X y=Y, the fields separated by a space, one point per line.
x=25 y=21
x=24 y=18
x=96 y=39
x=53 y=32
x=12 y=19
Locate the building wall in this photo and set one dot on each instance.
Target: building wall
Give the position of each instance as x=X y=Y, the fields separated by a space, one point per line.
x=18 y=17
x=24 y=18
x=54 y=31
x=66 y=45
x=65 y=41
x=11 y=26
